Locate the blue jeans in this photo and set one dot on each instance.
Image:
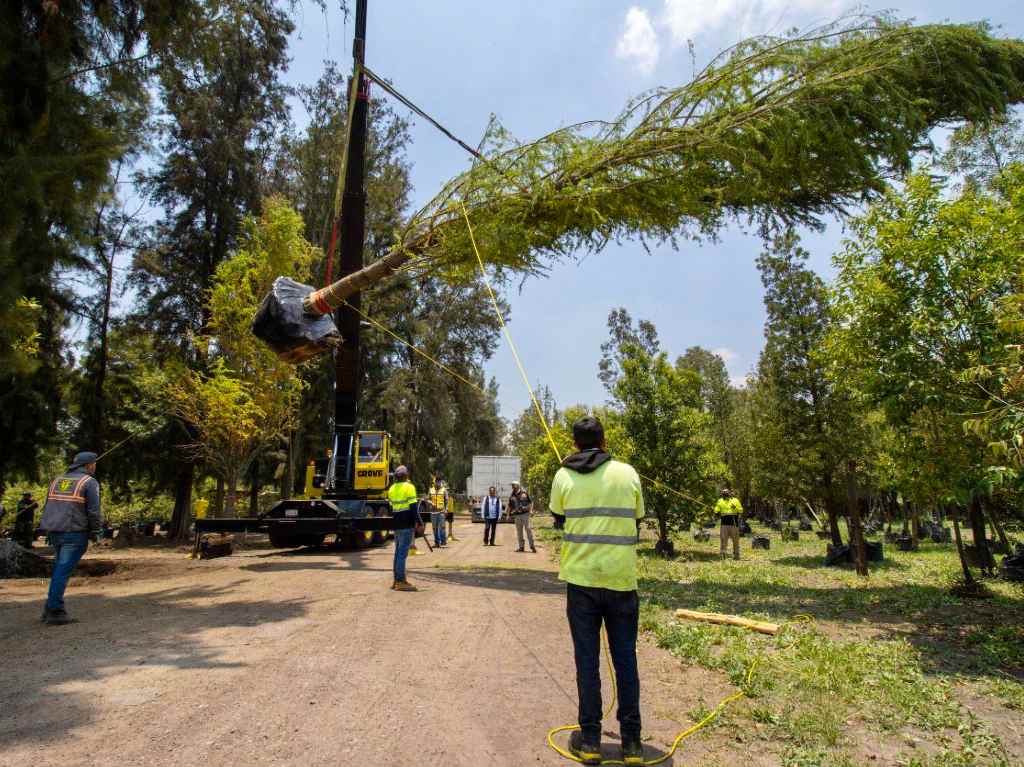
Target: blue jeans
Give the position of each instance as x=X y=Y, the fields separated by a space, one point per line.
x=68 y=548
x=586 y=608
x=437 y=522
x=403 y=540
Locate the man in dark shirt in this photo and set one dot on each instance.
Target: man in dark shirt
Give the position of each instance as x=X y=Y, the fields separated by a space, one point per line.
x=25 y=520
x=520 y=506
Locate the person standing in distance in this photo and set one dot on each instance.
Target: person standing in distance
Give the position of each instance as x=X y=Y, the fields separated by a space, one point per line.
x=728 y=510
x=437 y=498
x=520 y=507
x=449 y=512
x=600 y=502
x=490 y=510
x=402 y=495
x=70 y=518
x=25 y=520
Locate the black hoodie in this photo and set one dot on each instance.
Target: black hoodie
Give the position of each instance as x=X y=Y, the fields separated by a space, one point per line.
x=585 y=461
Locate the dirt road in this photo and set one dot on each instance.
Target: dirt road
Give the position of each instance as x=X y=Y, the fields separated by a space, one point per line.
x=307 y=658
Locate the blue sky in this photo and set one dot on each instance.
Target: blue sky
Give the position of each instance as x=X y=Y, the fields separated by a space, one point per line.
x=541 y=65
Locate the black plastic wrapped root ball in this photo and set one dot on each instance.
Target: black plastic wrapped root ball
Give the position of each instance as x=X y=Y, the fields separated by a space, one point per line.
x=285 y=327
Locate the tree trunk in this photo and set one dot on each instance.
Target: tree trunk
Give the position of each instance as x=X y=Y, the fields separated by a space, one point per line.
x=218 y=498
x=833 y=521
x=915 y=521
x=977 y=520
x=994 y=519
x=254 y=489
x=182 y=502
x=968 y=577
x=287 y=476
x=856 y=530
x=231 y=498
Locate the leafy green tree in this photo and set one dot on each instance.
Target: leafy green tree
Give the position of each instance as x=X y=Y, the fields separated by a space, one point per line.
x=71 y=75
x=246 y=399
x=623 y=333
x=673 y=442
x=223 y=103
x=815 y=421
x=920 y=288
x=978 y=153
x=715 y=390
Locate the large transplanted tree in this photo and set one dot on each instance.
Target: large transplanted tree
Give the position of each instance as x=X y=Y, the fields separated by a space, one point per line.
x=776 y=130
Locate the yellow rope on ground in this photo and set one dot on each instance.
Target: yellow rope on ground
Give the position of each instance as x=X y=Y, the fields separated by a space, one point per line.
x=675 y=743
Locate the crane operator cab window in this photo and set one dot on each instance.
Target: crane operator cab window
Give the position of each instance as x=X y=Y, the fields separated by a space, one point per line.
x=371 y=461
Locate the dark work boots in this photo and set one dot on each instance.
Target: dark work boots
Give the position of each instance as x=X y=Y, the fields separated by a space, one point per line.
x=56 y=617
x=632 y=751
x=588 y=752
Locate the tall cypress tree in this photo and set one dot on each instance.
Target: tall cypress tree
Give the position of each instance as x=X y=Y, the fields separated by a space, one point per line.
x=223 y=105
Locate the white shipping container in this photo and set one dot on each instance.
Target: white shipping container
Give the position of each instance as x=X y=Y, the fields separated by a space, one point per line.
x=499 y=471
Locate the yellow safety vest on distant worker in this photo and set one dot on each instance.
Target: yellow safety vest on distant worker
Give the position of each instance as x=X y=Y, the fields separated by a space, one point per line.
x=730 y=507
x=438 y=498
x=402 y=495
x=600 y=509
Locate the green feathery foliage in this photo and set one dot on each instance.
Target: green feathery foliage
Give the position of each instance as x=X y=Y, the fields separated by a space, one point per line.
x=776 y=131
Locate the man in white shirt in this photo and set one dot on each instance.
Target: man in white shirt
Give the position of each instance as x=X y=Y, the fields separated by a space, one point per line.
x=490 y=510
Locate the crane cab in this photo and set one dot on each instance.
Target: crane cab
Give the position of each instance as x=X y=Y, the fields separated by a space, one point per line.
x=372 y=458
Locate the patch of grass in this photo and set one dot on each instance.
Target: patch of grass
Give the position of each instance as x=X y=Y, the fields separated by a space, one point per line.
x=974 y=746
x=1009 y=691
x=857 y=660
x=808 y=686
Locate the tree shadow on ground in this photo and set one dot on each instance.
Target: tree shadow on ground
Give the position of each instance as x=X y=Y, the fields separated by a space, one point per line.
x=818 y=563
x=685 y=555
x=520 y=580
x=157 y=629
x=949 y=632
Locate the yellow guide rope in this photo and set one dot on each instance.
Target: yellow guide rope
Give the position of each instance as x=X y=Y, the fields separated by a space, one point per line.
x=508 y=336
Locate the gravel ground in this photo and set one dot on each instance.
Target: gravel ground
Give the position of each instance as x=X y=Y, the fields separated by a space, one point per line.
x=307 y=658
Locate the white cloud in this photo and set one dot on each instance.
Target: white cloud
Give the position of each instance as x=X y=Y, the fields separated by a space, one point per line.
x=686 y=19
x=639 y=43
x=739 y=382
x=727 y=354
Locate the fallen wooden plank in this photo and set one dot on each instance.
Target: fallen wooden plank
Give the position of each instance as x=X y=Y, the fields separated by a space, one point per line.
x=730 y=620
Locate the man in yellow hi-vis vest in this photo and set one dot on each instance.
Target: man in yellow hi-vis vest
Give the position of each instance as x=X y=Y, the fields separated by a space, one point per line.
x=601 y=504
x=728 y=510
x=402 y=495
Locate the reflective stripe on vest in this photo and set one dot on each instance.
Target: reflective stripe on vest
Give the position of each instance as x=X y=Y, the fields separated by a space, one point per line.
x=600 y=510
x=611 y=540
x=62 y=490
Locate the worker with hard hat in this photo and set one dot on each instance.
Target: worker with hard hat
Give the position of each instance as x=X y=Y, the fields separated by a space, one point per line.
x=728 y=510
x=403 y=498
x=71 y=516
x=600 y=502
